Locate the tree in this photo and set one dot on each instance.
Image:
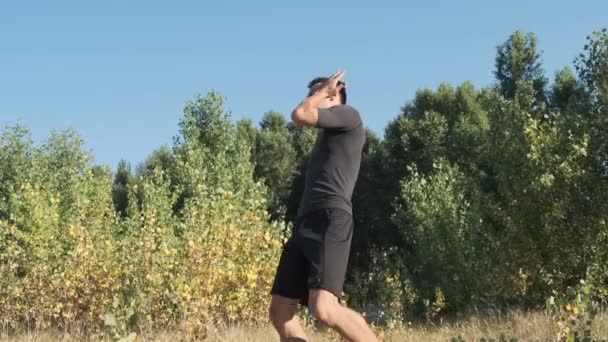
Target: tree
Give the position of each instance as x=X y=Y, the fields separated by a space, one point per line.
x=517 y=59
x=161 y=158
x=592 y=66
x=275 y=161
x=438 y=215
x=248 y=134
x=302 y=139
x=565 y=90
x=122 y=179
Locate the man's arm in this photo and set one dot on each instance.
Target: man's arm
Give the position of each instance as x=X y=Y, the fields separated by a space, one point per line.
x=307 y=112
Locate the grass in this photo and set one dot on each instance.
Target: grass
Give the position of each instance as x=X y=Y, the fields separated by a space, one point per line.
x=527 y=326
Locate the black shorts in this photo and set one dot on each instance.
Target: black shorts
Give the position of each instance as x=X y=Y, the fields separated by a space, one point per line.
x=316 y=255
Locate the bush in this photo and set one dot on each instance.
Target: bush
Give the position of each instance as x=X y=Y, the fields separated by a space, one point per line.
x=190 y=255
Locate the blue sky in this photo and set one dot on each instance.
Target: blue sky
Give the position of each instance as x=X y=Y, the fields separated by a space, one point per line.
x=119 y=72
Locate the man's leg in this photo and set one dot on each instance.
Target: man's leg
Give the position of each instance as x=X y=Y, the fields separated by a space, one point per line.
x=288 y=290
x=283 y=316
x=328 y=263
x=325 y=307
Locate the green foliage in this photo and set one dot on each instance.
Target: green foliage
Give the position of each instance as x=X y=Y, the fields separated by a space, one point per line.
x=566 y=91
x=122 y=178
x=491 y=194
x=303 y=139
x=574 y=310
x=440 y=219
x=161 y=158
x=517 y=60
x=59 y=212
x=275 y=161
x=248 y=135
x=67 y=258
x=592 y=65
x=473 y=198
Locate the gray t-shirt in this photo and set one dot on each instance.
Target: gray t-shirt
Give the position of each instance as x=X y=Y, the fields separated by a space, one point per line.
x=336 y=158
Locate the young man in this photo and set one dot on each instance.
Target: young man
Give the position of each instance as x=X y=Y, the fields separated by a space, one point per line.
x=313 y=263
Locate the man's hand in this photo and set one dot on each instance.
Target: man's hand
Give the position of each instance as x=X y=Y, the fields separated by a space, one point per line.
x=307 y=113
x=332 y=86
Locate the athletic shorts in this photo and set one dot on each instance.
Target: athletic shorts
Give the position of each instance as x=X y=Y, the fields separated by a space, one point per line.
x=316 y=255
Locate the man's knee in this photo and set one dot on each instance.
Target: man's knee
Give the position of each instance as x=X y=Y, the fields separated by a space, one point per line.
x=324 y=313
x=324 y=307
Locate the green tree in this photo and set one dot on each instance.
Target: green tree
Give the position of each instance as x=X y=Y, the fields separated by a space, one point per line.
x=438 y=215
x=248 y=134
x=566 y=91
x=275 y=161
x=161 y=158
x=302 y=139
x=592 y=66
x=518 y=59
x=120 y=193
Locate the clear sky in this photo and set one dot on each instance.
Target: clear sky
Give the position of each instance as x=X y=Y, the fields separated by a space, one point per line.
x=119 y=72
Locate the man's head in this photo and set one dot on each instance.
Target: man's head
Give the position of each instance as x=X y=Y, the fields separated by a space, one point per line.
x=329 y=102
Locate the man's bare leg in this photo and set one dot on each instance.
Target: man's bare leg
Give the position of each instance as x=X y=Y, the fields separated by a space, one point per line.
x=325 y=307
x=283 y=316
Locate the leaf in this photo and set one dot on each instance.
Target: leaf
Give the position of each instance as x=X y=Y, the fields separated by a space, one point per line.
x=132 y=317
x=109 y=320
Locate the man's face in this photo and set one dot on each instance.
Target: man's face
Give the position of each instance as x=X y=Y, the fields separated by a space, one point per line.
x=327 y=102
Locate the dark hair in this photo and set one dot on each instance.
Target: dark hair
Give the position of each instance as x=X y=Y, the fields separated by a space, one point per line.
x=324 y=79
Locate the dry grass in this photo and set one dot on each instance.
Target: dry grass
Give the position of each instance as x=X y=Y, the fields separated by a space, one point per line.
x=525 y=326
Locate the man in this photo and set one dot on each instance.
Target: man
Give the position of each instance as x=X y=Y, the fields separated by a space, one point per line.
x=313 y=263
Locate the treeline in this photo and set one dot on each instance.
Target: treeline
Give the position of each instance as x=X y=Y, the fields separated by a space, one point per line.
x=472 y=198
